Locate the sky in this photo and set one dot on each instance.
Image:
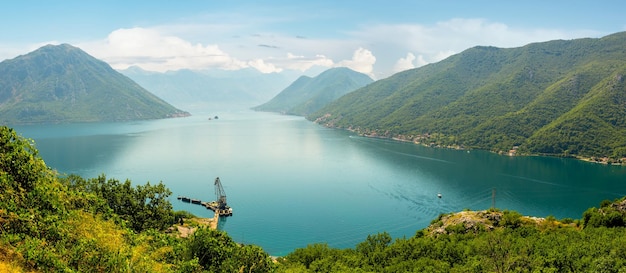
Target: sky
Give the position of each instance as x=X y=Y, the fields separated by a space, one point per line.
x=378 y=38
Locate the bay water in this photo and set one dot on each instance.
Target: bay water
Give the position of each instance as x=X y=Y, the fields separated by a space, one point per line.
x=291 y=182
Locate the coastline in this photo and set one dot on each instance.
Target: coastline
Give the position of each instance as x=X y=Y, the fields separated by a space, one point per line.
x=513 y=152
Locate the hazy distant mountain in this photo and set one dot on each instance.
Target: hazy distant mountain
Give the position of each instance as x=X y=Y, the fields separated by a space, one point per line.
x=307 y=95
x=64 y=84
x=559 y=97
x=212 y=88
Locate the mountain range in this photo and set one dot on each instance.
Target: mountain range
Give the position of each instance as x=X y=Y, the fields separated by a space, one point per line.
x=564 y=98
x=307 y=95
x=209 y=89
x=62 y=83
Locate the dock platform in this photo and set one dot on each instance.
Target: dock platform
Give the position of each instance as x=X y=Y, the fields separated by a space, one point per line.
x=212 y=205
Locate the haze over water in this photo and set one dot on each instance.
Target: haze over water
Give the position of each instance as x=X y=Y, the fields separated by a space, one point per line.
x=292 y=182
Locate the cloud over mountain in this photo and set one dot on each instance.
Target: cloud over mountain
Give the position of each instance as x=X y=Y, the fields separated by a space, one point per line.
x=151 y=50
x=154 y=50
x=375 y=49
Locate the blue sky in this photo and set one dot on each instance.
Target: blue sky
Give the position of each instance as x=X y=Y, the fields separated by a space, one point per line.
x=374 y=37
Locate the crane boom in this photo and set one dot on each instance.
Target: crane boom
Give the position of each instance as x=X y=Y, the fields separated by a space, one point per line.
x=220 y=195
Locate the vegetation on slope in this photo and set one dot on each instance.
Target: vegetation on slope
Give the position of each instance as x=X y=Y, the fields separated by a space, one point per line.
x=71 y=224
x=488 y=241
x=64 y=84
x=563 y=98
x=307 y=95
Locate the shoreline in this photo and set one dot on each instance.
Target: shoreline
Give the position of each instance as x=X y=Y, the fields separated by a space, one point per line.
x=513 y=152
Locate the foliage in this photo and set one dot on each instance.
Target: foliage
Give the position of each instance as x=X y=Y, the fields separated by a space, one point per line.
x=307 y=95
x=143 y=207
x=64 y=84
x=610 y=214
x=71 y=224
x=512 y=247
x=217 y=252
x=563 y=98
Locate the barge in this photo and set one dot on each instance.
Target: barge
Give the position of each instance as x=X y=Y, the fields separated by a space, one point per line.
x=220 y=207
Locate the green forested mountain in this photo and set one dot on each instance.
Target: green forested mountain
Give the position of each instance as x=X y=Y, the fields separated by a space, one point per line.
x=307 y=95
x=565 y=98
x=64 y=84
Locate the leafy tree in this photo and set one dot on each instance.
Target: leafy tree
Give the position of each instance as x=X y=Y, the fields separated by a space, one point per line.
x=374 y=249
x=143 y=206
x=510 y=219
x=311 y=253
x=250 y=258
x=31 y=198
x=71 y=224
x=212 y=248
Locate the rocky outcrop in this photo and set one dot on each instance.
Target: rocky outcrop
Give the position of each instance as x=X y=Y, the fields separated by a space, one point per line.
x=478 y=221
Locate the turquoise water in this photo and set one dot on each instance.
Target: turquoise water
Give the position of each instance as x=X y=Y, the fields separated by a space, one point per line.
x=293 y=183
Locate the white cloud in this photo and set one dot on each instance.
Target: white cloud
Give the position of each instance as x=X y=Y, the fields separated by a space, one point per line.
x=404 y=63
x=150 y=50
x=303 y=63
x=241 y=45
x=264 y=67
x=160 y=49
x=420 y=61
x=411 y=61
x=362 y=61
x=435 y=42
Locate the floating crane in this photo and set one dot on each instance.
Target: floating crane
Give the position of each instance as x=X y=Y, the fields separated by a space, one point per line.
x=220 y=206
x=220 y=195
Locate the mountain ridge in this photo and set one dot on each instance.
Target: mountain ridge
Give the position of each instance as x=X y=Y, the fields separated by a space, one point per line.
x=308 y=94
x=62 y=83
x=509 y=100
x=209 y=89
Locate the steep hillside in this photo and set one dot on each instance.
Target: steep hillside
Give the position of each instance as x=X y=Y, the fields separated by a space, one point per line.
x=561 y=98
x=64 y=84
x=54 y=223
x=307 y=95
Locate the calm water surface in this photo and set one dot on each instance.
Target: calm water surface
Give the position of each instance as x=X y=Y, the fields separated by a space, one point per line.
x=293 y=183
